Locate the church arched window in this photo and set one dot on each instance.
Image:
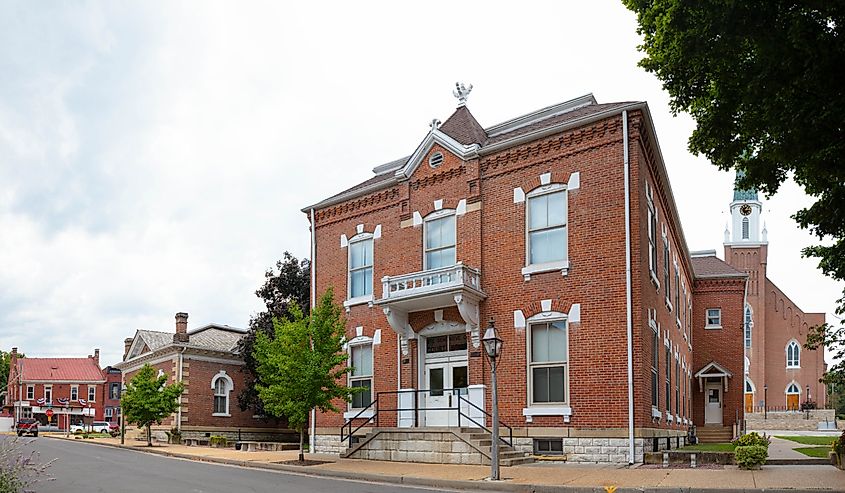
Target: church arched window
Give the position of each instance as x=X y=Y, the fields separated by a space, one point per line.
x=749 y=322
x=746 y=228
x=793 y=355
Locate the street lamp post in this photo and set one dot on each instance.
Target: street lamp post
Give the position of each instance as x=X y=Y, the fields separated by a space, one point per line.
x=493 y=348
x=765 y=401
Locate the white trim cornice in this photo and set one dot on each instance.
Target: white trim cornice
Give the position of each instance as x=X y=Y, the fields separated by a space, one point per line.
x=435 y=136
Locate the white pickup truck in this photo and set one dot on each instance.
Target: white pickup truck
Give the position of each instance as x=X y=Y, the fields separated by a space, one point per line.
x=96 y=427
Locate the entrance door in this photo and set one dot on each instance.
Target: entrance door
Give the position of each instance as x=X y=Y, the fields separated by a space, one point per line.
x=792 y=402
x=749 y=403
x=713 y=404
x=445 y=382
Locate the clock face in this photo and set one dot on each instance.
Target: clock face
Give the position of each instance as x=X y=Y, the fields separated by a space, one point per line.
x=745 y=209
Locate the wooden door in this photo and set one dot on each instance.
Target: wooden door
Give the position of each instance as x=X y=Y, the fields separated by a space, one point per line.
x=749 y=403
x=792 y=401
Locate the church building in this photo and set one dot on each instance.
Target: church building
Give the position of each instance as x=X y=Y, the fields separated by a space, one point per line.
x=559 y=229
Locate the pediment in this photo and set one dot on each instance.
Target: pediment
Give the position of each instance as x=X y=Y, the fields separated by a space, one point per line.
x=713 y=369
x=435 y=138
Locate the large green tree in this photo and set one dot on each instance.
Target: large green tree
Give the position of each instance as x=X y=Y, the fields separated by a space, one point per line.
x=288 y=283
x=5 y=367
x=763 y=81
x=304 y=365
x=148 y=399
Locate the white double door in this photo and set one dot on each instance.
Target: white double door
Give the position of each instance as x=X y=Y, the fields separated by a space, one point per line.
x=445 y=382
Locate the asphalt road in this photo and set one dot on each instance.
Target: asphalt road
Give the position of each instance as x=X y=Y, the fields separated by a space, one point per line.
x=85 y=468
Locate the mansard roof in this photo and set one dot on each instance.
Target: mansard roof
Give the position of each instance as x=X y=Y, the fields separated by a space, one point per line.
x=463 y=134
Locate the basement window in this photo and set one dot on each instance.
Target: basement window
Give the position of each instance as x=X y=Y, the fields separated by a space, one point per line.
x=548 y=446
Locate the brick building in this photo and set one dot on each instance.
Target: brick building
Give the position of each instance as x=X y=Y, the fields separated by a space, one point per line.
x=206 y=360
x=561 y=227
x=71 y=389
x=111 y=394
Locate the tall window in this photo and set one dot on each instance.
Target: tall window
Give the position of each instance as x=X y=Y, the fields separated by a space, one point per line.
x=547 y=363
x=109 y=413
x=668 y=380
x=652 y=232
x=221 y=396
x=547 y=228
x=48 y=393
x=362 y=374
x=745 y=228
x=655 y=362
x=793 y=355
x=114 y=391
x=439 y=242
x=30 y=392
x=667 y=274
x=677 y=386
x=678 y=295
x=92 y=393
x=361 y=268
x=748 y=324
x=74 y=393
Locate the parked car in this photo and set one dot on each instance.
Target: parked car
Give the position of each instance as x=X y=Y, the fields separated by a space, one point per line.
x=101 y=427
x=114 y=429
x=27 y=426
x=95 y=427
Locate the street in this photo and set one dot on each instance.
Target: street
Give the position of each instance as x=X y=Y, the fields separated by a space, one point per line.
x=86 y=468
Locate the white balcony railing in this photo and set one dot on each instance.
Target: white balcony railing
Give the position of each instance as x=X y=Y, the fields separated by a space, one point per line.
x=430 y=281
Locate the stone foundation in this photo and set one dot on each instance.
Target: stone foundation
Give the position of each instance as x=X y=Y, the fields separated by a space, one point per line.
x=329 y=444
x=428 y=447
x=791 y=420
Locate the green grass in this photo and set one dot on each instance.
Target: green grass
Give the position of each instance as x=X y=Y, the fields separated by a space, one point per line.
x=708 y=447
x=820 y=452
x=810 y=440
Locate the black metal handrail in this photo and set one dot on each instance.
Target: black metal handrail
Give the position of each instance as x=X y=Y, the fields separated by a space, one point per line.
x=377 y=406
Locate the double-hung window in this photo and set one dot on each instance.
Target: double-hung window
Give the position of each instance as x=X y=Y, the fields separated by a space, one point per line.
x=678 y=296
x=74 y=393
x=361 y=268
x=547 y=242
x=361 y=359
x=652 y=233
x=655 y=364
x=48 y=393
x=114 y=391
x=440 y=242
x=749 y=322
x=677 y=386
x=92 y=393
x=548 y=363
x=714 y=318
x=221 y=396
x=667 y=274
x=668 y=380
x=30 y=392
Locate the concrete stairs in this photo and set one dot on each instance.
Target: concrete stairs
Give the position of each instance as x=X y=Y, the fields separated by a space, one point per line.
x=476 y=439
x=714 y=434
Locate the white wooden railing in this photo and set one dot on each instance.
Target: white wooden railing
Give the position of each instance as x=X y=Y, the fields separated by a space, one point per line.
x=428 y=281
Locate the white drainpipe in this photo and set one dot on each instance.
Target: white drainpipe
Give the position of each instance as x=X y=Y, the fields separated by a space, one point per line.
x=628 y=301
x=311 y=438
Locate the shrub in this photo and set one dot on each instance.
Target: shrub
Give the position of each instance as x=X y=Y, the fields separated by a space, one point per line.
x=752 y=439
x=751 y=456
x=808 y=405
x=218 y=441
x=838 y=445
x=19 y=468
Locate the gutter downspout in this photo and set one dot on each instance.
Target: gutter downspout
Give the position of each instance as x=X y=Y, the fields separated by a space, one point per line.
x=628 y=302
x=311 y=438
x=179 y=379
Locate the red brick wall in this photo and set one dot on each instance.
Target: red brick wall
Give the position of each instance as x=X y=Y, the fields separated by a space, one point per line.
x=725 y=346
x=62 y=390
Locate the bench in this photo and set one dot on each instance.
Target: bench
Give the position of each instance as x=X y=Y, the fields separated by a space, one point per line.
x=255 y=446
x=193 y=442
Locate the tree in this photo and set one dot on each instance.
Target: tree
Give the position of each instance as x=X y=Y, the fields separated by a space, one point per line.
x=148 y=399
x=304 y=366
x=289 y=283
x=762 y=79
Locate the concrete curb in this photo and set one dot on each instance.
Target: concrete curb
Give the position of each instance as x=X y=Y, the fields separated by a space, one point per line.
x=450 y=484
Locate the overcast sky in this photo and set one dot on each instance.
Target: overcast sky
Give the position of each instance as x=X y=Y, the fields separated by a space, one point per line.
x=154 y=156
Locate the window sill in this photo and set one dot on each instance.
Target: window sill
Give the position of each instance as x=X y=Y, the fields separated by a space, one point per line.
x=793 y=367
x=712 y=327
x=561 y=265
x=360 y=300
x=354 y=413
x=669 y=418
x=655 y=413
x=221 y=415
x=678 y=322
x=668 y=304
x=547 y=411
x=654 y=280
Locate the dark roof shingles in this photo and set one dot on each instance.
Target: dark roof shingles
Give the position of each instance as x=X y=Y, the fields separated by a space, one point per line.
x=464 y=128
x=712 y=266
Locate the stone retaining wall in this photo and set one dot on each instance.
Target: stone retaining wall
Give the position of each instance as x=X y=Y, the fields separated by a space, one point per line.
x=329 y=444
x=790 y=420
x=427 y=447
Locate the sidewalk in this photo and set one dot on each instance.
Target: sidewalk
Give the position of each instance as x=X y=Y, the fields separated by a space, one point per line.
x=538 y=477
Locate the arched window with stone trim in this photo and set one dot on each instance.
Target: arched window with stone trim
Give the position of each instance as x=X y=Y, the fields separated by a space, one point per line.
x=749 y=323
x=222 y=386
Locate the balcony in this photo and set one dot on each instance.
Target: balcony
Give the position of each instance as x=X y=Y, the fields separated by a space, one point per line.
x=454 y=285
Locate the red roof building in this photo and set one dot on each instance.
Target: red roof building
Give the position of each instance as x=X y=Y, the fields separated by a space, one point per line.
x=56 y=391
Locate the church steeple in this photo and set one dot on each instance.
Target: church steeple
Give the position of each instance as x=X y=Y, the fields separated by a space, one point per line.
x=745 y=216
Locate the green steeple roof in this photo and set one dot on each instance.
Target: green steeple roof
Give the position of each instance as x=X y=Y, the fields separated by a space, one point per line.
x=743 y=194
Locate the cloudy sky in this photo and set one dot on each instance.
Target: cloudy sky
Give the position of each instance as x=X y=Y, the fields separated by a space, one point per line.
x=154 y=156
